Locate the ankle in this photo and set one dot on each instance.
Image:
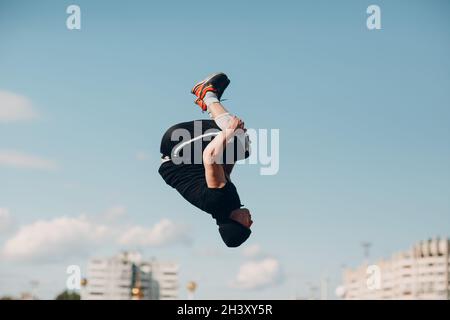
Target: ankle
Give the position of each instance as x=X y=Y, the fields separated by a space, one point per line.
x=210 y=98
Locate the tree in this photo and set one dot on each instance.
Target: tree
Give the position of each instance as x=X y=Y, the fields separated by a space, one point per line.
x=68 y=295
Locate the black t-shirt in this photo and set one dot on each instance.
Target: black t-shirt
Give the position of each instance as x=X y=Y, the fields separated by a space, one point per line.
x=189 y=178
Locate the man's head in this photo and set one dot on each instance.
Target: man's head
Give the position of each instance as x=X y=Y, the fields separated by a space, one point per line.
x=236 y=230
x=243 y=216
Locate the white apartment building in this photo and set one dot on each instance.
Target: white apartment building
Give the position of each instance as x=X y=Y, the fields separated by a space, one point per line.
x=126 y=276
x=164 y=283
x=422 y=272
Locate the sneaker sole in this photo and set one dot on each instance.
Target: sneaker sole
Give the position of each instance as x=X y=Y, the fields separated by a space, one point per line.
x=206 y=80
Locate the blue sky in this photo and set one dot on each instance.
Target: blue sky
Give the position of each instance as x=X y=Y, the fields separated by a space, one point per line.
x=363 y=119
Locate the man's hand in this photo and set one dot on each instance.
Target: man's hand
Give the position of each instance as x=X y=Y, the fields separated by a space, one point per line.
x=234 y=126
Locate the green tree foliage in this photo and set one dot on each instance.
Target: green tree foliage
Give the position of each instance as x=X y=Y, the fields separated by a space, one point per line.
x=68 y=295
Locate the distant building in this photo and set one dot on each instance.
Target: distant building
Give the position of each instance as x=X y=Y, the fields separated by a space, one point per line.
x=164 y=279
x=422 y=272
x=126 y=277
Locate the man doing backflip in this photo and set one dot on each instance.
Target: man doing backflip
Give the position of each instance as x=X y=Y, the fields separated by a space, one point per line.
x=198 y=158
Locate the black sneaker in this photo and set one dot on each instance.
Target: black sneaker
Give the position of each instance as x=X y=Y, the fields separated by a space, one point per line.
x=216 y=82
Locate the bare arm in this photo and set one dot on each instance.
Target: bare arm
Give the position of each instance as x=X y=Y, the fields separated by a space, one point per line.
x=214 y=172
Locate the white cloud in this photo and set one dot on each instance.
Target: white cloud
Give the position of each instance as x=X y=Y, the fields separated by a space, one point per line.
x=20 y=160
x=142 y=156
x=258 y=274
x=53 y=239
x=252 y=251
x=6 y=220
x=14 y=107
x=63 y=237
x=164 y=232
